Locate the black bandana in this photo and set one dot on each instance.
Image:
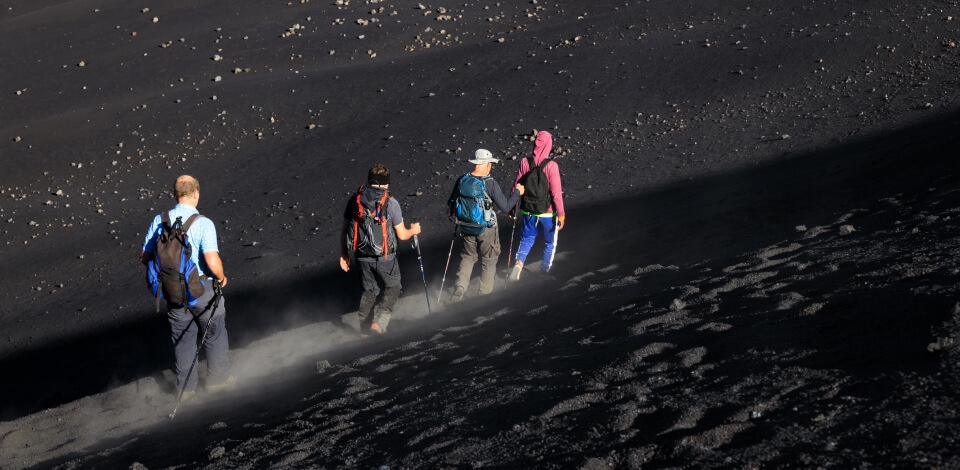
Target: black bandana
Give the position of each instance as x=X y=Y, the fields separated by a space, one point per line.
x=381 y=180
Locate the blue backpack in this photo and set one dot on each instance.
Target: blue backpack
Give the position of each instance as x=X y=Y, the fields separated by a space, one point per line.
x=171 y=273
x=474 y=209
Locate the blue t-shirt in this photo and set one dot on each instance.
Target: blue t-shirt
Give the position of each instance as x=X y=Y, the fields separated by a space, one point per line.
x=202 y=234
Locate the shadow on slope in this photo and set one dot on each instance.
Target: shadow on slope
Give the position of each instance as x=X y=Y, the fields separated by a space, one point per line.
x=708 y=219
x=763 y=356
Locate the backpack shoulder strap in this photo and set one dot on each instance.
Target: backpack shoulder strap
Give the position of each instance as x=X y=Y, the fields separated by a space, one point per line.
x=543 y=164
x=483 y=184
x=382 y=209
x=190 y=221
x=359 y=201
x=357 y=217
x=382 y=205
x=165 y=220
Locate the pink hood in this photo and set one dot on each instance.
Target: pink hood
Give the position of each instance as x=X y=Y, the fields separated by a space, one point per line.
x=542 y=146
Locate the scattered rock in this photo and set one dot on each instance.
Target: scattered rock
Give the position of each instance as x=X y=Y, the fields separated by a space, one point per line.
x=292 y=30
x=846 y=229
x=217 y=452
x=939 y=345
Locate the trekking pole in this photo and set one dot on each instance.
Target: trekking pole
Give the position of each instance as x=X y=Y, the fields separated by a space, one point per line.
x=516 y=213
x=455 y=228
x=216 y=302
x=416 y=244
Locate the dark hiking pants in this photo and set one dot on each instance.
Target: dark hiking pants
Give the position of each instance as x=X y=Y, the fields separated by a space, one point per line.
x=187 y=323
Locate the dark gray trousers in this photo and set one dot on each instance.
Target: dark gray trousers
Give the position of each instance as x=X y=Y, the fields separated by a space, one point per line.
x=375 y=272
x=187 y=324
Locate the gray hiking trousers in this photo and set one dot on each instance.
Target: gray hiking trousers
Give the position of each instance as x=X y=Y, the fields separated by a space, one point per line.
x=373 y=273
x=187 y=325
x=486 y=248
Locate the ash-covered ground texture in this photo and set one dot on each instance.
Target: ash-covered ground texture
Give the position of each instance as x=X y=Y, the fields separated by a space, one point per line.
x=760 y=268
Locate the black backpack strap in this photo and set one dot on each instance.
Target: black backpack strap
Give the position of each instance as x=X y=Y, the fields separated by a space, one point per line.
x=532 y=164
x=165 y=220
x=189 y=222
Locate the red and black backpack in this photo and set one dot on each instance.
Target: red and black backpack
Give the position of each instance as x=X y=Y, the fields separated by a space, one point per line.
x=370 y=233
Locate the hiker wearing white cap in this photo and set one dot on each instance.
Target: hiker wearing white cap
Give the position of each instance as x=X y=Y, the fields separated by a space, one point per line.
x=472 y=201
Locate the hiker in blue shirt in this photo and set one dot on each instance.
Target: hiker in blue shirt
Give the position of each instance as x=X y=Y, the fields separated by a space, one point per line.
x=486 y=244
x=189 y=318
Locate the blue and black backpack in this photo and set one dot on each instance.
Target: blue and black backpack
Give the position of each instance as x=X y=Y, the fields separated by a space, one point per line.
x=473 y=207
x=171 y=273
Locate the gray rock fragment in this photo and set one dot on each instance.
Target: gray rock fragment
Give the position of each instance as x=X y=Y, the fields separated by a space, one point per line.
x=217 y=452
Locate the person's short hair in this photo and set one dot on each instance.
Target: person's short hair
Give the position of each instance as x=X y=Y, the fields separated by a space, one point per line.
x=378 y=175
x=185 y=186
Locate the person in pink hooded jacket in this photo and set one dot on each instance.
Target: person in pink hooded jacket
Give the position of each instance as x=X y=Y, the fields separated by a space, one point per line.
x=542 y=208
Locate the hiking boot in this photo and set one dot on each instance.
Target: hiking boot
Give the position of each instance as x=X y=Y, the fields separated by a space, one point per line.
x=225 y=385
x=515 y=272
x=376 y=329
x=457 y=295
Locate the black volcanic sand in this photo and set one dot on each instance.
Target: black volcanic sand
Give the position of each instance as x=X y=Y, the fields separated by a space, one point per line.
x=760 y=266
